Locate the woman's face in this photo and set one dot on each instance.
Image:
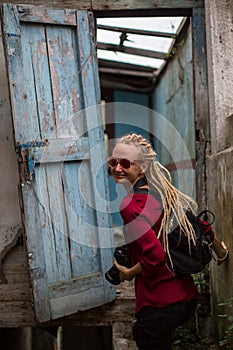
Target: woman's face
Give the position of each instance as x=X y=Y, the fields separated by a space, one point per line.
x=134 y=172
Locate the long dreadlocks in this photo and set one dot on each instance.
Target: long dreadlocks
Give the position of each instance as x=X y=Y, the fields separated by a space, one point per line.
x=175 y=203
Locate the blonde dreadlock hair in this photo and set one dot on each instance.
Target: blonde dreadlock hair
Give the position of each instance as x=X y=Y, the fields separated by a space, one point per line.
x=175 y=203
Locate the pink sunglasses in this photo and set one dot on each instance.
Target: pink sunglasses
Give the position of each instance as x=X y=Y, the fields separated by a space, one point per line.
x=124 y=163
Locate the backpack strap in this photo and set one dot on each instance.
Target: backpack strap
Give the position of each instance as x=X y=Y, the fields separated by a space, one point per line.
x=137 y=188
x=141 y=182
x=142 y=190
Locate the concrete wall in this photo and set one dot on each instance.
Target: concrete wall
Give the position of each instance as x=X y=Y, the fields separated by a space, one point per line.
x=219 y=14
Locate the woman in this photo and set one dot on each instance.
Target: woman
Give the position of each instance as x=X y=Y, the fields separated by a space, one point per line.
x=164 y=299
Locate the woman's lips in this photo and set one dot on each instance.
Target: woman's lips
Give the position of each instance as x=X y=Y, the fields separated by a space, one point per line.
x=119 y=176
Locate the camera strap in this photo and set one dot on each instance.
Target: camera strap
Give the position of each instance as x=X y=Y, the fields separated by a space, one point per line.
x=141 y=182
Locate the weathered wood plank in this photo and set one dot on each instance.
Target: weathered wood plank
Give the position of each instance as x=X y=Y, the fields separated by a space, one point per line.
x=18 y=93
x=16 y=301
x=58 y=219
x=91 y=93
x=132 y=51
x=15 y=268
x=65 y=81
x=17 y=314
x=201 y=105
x=149 y=12
x=15 y=264
x=81 y=219
x=59 y=150
x=55 y=4
x=39 y=94
x=201 y=102
x=98 y=170
x=14 y=278
x=75 y=285
x=145 y=4
x=78 y=294
x=45 y=15
x=36 y=253
x=15 y=291
x=29 y=51
x=121 y=310
x=114 y=5
x=46 y=224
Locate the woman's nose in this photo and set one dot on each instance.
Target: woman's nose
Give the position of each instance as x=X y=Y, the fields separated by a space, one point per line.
x=118 y=167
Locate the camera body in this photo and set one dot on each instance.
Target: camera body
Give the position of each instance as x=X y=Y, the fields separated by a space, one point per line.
x=122 y=257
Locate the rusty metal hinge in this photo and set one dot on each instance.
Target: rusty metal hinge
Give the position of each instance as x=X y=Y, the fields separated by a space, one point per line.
x=26 y=160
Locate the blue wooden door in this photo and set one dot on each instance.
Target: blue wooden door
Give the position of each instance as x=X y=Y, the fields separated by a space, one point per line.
x=54 y=89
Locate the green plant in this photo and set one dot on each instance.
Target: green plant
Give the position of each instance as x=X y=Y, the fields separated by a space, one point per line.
x=186 y=337
x=191 y=335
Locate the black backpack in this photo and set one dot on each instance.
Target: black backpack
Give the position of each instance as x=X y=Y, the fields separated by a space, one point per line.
x=187 y=257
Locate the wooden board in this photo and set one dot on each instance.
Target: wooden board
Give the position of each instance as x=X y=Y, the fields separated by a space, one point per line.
x=114 y=5
x=54 y=88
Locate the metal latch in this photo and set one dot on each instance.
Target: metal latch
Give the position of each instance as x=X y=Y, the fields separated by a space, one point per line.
x=37 y=273
x=26 y=160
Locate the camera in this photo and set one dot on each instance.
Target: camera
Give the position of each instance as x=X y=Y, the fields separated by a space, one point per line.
x=122 y=257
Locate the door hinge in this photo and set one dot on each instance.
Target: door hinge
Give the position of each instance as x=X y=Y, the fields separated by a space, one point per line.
x=26 y=159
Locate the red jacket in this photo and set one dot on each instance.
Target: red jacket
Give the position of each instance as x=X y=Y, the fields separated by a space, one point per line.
x=156 y=285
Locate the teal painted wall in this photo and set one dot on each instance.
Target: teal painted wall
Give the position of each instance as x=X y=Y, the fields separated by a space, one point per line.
x=137 y=122
x=173 y=99
x=130 y=115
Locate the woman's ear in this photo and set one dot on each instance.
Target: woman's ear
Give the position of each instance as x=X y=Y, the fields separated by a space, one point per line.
x=144 y=166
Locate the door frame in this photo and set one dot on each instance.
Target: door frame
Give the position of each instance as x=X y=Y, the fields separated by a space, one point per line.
x=196 y=11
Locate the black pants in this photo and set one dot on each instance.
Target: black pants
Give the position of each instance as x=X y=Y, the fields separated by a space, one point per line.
x=154 y=326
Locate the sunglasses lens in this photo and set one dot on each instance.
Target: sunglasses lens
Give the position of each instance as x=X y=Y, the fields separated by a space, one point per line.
x=125 y=163
x=112 y=162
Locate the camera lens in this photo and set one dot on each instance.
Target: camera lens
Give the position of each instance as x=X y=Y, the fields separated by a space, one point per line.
x=121 y=256
x=112 y=276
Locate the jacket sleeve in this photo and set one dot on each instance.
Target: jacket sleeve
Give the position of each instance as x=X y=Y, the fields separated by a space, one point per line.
x=139 y=218
x=208 y=229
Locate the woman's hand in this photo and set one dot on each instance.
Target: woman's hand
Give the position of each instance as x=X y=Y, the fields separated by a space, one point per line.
x=220 y=260
x=127 y=274
x=220 y=250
